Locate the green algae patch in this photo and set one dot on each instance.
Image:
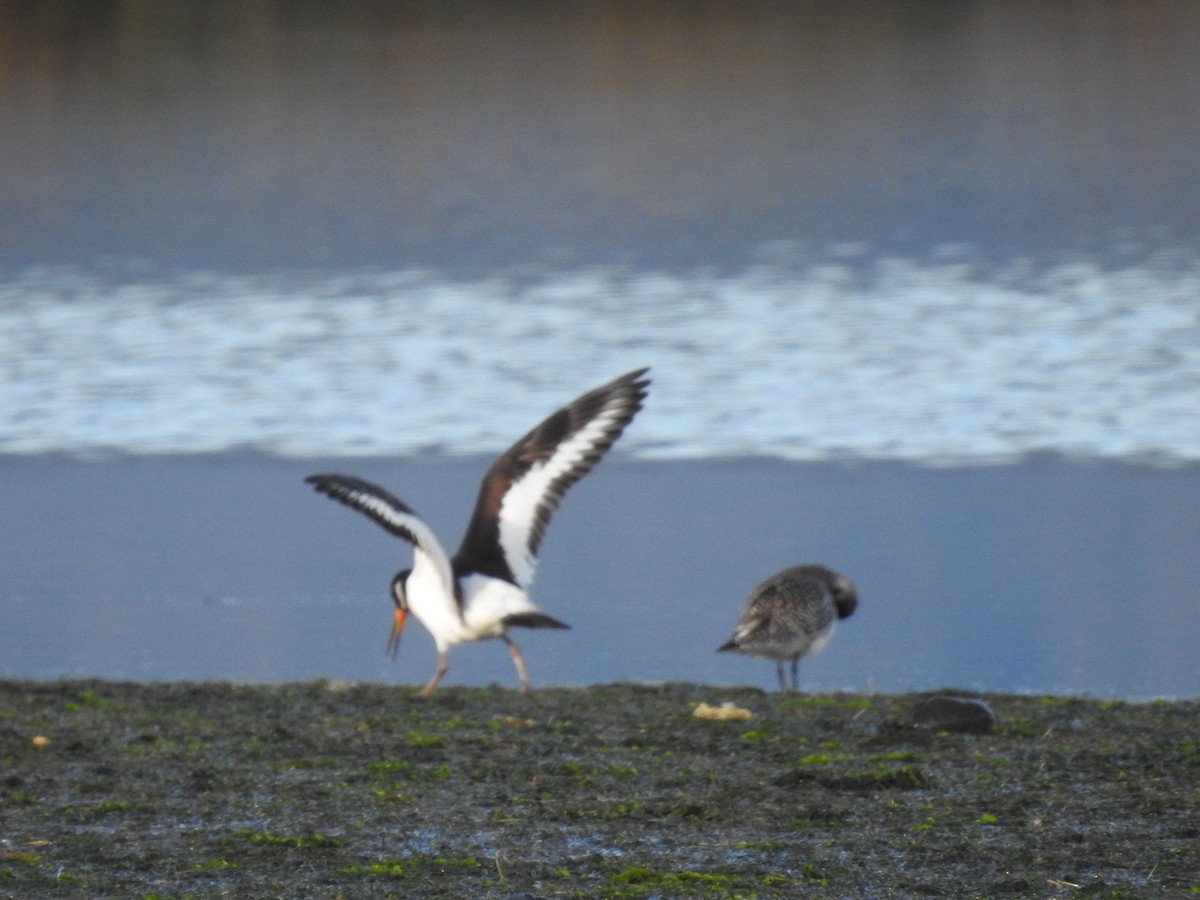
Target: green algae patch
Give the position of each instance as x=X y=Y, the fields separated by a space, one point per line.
x=298 y=841
x=410 y=867
x=642 y=881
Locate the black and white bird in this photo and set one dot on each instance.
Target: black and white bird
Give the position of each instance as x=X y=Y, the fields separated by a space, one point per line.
x=483 y=591
x=792 y=614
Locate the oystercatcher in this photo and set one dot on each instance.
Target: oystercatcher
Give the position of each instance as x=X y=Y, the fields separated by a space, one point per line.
x=483 y=591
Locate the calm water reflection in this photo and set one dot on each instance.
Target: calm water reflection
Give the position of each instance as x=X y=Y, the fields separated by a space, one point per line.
x=254 y=135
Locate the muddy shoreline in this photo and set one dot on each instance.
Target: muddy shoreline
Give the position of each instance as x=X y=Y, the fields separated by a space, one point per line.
x=356 y=790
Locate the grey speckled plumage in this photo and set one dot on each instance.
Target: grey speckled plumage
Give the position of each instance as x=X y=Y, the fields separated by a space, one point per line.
x=792 y=614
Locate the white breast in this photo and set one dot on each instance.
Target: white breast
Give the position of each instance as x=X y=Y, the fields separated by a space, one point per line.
x=434 y=606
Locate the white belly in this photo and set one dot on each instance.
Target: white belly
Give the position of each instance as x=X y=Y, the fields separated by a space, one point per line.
x=486 y=603
x=783 y=649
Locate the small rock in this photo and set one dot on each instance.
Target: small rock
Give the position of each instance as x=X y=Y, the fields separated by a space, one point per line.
x=953 y=714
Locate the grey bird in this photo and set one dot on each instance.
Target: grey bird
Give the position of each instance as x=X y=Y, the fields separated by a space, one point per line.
x=792 y=614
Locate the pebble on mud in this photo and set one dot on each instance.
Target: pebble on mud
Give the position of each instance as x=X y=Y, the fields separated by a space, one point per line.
x=959 y=714
x=40 y=742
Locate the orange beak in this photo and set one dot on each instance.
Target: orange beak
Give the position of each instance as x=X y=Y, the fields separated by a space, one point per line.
x=397 y=627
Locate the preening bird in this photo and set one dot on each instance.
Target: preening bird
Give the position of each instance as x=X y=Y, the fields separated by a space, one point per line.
x=482 y=591
x=792 y=614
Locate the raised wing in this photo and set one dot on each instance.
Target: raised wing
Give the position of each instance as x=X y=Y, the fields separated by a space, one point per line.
x=390 y=513
x=525 y=485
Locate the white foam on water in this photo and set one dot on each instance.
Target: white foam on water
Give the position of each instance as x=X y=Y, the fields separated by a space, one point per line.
x=936 y=361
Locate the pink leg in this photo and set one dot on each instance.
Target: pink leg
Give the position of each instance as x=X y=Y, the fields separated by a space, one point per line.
x=519 y=664
x=443 y=666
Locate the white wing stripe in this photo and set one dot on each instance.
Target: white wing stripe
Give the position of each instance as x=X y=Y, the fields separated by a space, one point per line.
x=426 y=545
x=519 y=510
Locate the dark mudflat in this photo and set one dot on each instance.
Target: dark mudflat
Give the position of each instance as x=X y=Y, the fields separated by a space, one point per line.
x=327 y=790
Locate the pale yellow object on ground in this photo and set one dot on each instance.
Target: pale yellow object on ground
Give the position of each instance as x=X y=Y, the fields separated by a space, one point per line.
x=726 y=711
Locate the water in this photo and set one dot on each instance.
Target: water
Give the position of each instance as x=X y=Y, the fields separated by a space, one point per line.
x=471 y=136
x=1044 y=576
x=936 y=267
x=923 y=362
